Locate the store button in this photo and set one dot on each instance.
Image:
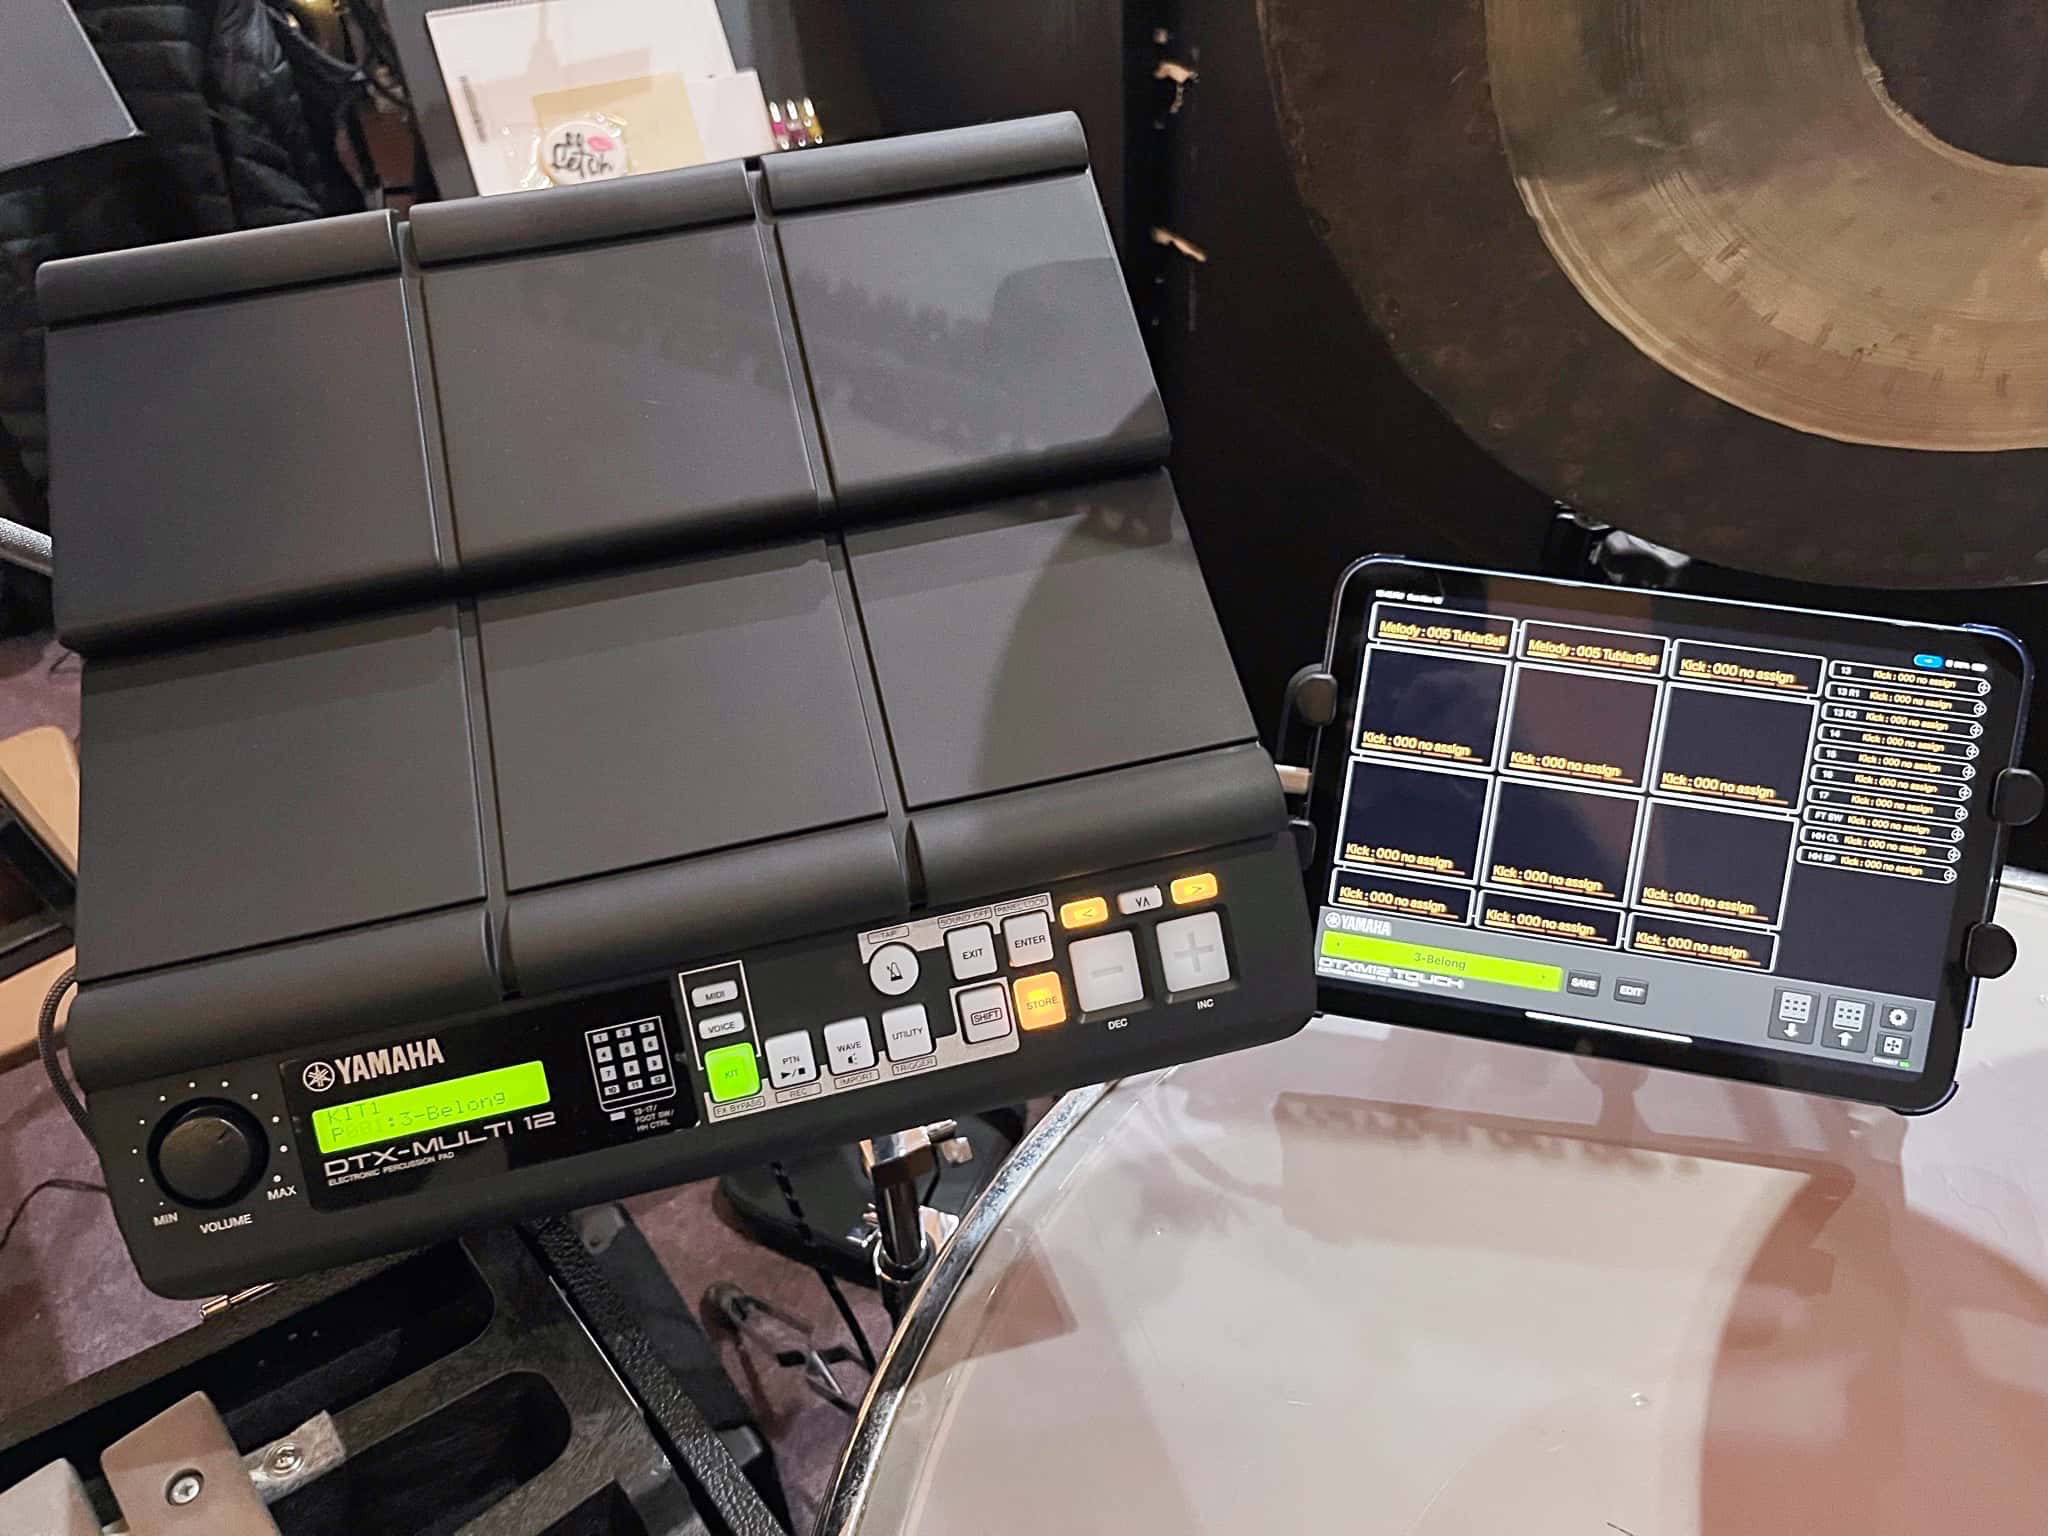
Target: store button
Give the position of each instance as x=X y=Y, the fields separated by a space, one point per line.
x=1582 y=984
x=1626 y=991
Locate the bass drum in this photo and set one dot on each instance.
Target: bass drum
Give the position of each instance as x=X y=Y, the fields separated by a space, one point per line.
x=1382 y=1281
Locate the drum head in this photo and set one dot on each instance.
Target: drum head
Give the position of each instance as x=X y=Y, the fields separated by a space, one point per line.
x=1688 y=266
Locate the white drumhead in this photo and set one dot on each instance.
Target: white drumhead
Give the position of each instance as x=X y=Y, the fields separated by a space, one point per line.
x=1380 y=1281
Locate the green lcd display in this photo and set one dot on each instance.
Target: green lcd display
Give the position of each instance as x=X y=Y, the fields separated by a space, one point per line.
x=432 y=1107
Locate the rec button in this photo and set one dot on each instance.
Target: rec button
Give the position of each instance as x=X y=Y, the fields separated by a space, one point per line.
x=1582 y=984
x=1626 y=991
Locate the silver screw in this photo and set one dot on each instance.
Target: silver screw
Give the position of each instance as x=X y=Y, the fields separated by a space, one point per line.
x=185 y=1487
x=285 y=1459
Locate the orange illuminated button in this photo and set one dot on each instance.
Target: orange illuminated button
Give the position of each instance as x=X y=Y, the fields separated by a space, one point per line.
x=1189 y=889
x=1040 y=1001
x=1084 y=914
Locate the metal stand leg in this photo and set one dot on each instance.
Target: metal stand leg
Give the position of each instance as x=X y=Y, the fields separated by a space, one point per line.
x=907 y=1234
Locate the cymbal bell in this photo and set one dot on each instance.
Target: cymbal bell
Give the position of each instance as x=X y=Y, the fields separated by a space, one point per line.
x=1687 y=266
x=1729 y=185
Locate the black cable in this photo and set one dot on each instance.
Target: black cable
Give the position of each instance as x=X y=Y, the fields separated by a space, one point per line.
x=810 y=1242
x=931 y=1185
x=46 y=1047
x=76 y=1186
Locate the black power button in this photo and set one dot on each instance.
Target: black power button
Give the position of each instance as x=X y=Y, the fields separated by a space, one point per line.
x=210 y=1155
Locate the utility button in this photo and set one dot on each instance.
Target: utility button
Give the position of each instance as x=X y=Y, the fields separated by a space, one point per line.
x=906 y=1032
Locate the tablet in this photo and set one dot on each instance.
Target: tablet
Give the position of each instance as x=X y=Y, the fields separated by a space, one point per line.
x=1715 y=836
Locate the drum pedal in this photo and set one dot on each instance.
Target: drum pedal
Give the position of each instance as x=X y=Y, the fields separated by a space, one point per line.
x=785 y=1338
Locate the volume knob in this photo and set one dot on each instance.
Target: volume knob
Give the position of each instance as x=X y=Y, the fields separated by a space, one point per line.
x=211 y=1154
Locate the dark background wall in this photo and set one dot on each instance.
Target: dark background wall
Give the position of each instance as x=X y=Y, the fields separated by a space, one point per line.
x=1299 y=443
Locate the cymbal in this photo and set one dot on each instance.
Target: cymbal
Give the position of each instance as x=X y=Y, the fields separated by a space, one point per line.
x=1686 y=265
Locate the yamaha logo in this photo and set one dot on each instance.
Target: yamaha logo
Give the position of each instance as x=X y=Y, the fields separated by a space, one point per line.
x=364 y=1066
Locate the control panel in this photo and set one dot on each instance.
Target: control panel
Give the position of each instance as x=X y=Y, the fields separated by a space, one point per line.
x=273 y=1165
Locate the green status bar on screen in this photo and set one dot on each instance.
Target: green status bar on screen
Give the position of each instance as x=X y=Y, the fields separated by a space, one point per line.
x=1434 y=960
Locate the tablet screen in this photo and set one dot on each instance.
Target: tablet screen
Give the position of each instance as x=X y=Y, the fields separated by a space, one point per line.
x=1718 y=827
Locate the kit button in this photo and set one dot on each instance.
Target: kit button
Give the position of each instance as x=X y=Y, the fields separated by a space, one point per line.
x=1145 y=899
x=848 y=1046
x=790 y=1061
x=1029 y=938
x=732 y=1073
x=893 y=969
x=906 y=1032
x=972 y=951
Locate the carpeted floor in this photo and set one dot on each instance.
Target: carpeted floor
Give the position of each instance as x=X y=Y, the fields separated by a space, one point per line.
x=71 y=1303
